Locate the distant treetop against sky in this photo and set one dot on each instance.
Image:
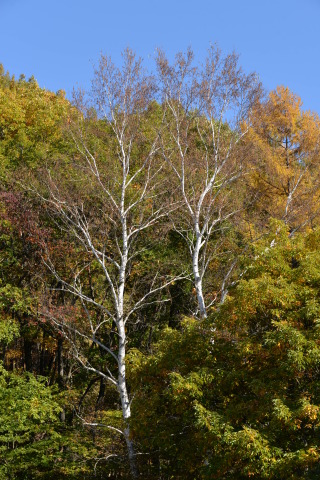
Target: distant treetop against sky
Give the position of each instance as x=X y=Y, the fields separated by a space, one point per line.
x=58 y=42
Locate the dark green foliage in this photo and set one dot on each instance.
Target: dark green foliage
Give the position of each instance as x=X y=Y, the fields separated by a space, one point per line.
x=238 y=395
x=29 y=438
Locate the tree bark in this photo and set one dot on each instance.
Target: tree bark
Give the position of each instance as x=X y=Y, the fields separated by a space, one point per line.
x=125 y=403
x=198 y=277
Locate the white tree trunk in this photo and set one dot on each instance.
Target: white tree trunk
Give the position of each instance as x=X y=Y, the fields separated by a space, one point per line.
x=198 y=278
x=124 y=398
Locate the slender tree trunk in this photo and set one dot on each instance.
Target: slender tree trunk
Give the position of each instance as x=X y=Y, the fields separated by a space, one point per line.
x=131 y=454
x=61 y=372
x=27 y=346
x=198 y=278
x=288 y=164
x=60 y=361
x=122 y=380
x=43 y=355
x=124 y=397
x=102 y=390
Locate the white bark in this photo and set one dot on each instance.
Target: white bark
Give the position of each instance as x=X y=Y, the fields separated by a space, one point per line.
x=198 y=277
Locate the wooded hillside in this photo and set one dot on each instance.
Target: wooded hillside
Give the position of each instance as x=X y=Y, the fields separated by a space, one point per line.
x=159 y=276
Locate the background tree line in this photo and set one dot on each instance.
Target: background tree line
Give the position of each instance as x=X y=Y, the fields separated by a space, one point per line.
x=159 y=280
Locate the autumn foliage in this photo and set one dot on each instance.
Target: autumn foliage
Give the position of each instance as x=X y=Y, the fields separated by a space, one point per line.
x=159 y=286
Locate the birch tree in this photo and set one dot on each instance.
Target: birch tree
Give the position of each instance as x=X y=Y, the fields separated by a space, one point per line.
x=110 y=198
x=207 y=116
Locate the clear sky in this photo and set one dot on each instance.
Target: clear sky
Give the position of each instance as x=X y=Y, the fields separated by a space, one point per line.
x=58 y=42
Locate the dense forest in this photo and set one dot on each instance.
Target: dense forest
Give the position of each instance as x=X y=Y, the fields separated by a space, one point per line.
x=160 y=276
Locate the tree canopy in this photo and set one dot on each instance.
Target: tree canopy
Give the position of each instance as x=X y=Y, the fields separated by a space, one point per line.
x=159 y=281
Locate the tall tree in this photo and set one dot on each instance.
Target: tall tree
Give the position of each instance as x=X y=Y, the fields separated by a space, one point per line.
x=206 y=113
x=110 y=198
x=286 y=142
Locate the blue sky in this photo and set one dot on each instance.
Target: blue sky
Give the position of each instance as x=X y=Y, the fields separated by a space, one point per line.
x=58 y=42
